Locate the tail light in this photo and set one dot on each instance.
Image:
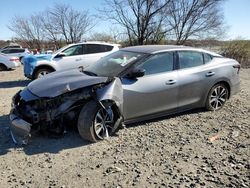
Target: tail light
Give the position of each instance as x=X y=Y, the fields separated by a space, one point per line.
x=237 y=67
x=14 y=59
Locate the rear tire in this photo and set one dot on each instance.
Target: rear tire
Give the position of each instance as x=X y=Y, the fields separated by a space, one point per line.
x=41 y=72
x=3 y=67
x=94 y=122
x=217 y=97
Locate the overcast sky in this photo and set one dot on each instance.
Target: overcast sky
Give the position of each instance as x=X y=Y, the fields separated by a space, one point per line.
x=237 y=14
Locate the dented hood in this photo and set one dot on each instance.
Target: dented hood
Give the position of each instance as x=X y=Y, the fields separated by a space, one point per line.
x=57 y=83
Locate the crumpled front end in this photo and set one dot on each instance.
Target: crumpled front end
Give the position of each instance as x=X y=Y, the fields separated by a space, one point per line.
x=30 y=113
x=52 y=107
x=19 y=128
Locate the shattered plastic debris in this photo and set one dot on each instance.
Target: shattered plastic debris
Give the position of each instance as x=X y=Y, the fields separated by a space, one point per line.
x=213 y=138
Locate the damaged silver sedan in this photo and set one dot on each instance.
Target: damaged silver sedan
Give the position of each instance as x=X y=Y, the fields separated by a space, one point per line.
x=130 y=85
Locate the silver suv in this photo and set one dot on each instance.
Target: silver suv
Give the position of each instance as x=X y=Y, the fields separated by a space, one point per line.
x=68 y=57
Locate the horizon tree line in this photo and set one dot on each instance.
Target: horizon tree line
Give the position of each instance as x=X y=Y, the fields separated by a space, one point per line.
x=137 y=22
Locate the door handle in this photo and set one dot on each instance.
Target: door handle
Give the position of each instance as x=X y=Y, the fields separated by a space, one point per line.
x=210 y=73
x=170 y=82
x=78 y=59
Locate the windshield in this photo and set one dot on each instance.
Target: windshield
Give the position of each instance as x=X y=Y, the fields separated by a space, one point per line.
x=113 y=64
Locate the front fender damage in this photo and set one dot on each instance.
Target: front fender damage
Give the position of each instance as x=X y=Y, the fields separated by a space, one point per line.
x=30 y=113
x=112 y=92
x=112 y=95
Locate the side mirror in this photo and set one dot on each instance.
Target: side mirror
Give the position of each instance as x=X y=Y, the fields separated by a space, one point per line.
x=136 y=72
x=61 y=54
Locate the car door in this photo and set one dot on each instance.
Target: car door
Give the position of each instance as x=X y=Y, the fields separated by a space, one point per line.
x=155 y=92
x=192 y=78
x=72 y=58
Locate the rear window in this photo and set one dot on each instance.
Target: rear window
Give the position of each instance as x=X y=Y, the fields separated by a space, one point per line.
x=97 y=48
x=5 y=51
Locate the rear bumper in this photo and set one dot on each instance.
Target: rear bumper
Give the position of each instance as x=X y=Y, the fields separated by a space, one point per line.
x=13 y=65
x=19 y=129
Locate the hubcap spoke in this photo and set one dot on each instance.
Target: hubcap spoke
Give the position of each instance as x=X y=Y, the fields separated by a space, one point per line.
x=219 y=103
x=99 y=116
x=222 y=91
x=216 y=105
x=98 y=128
x=222 y=99
x=213 y=100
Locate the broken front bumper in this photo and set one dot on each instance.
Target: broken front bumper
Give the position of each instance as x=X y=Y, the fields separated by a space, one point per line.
x=19 y=129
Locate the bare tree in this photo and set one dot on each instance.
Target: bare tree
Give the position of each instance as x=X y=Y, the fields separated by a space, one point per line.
x=52 y=33
x=101 y=37
x=141 y=19
x=28 y=29
x=70 y=23
x=57 y=24
x=194 y=18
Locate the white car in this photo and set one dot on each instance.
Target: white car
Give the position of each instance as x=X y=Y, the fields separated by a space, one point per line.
x=15 y=52
x=68 y=57
x=8 y=62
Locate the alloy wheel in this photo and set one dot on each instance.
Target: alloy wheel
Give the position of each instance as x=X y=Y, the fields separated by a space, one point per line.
x=218 y=97
x=103 y=122
x=43 y=73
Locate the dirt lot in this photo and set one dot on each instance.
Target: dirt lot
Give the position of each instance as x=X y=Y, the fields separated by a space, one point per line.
x=174 y=151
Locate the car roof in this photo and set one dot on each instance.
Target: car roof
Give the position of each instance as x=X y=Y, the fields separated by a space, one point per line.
x=152 y=49
x=96 y=42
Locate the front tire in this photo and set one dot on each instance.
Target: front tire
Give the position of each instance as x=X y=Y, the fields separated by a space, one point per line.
x=217 y=97
x=41 y=73
x=96 y=123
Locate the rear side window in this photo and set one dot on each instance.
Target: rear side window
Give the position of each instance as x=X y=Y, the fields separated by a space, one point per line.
x=158 y=63
x=189 y=59
x=97 y=48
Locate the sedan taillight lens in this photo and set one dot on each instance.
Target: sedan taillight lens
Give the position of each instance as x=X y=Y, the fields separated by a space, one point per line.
x=14 y=59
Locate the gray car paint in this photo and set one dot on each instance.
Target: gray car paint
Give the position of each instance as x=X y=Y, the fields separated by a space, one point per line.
x=57 y=83
x=148 y=96
x=113 y=91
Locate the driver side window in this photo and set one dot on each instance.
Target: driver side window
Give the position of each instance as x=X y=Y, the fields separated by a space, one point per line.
x=73 y=50
x=158 y=63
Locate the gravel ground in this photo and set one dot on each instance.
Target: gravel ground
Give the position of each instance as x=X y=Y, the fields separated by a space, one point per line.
x=193 y=149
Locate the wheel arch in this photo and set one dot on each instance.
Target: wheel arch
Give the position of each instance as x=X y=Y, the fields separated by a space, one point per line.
x=41 y=67
x=222 y=81
x=107 y=102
